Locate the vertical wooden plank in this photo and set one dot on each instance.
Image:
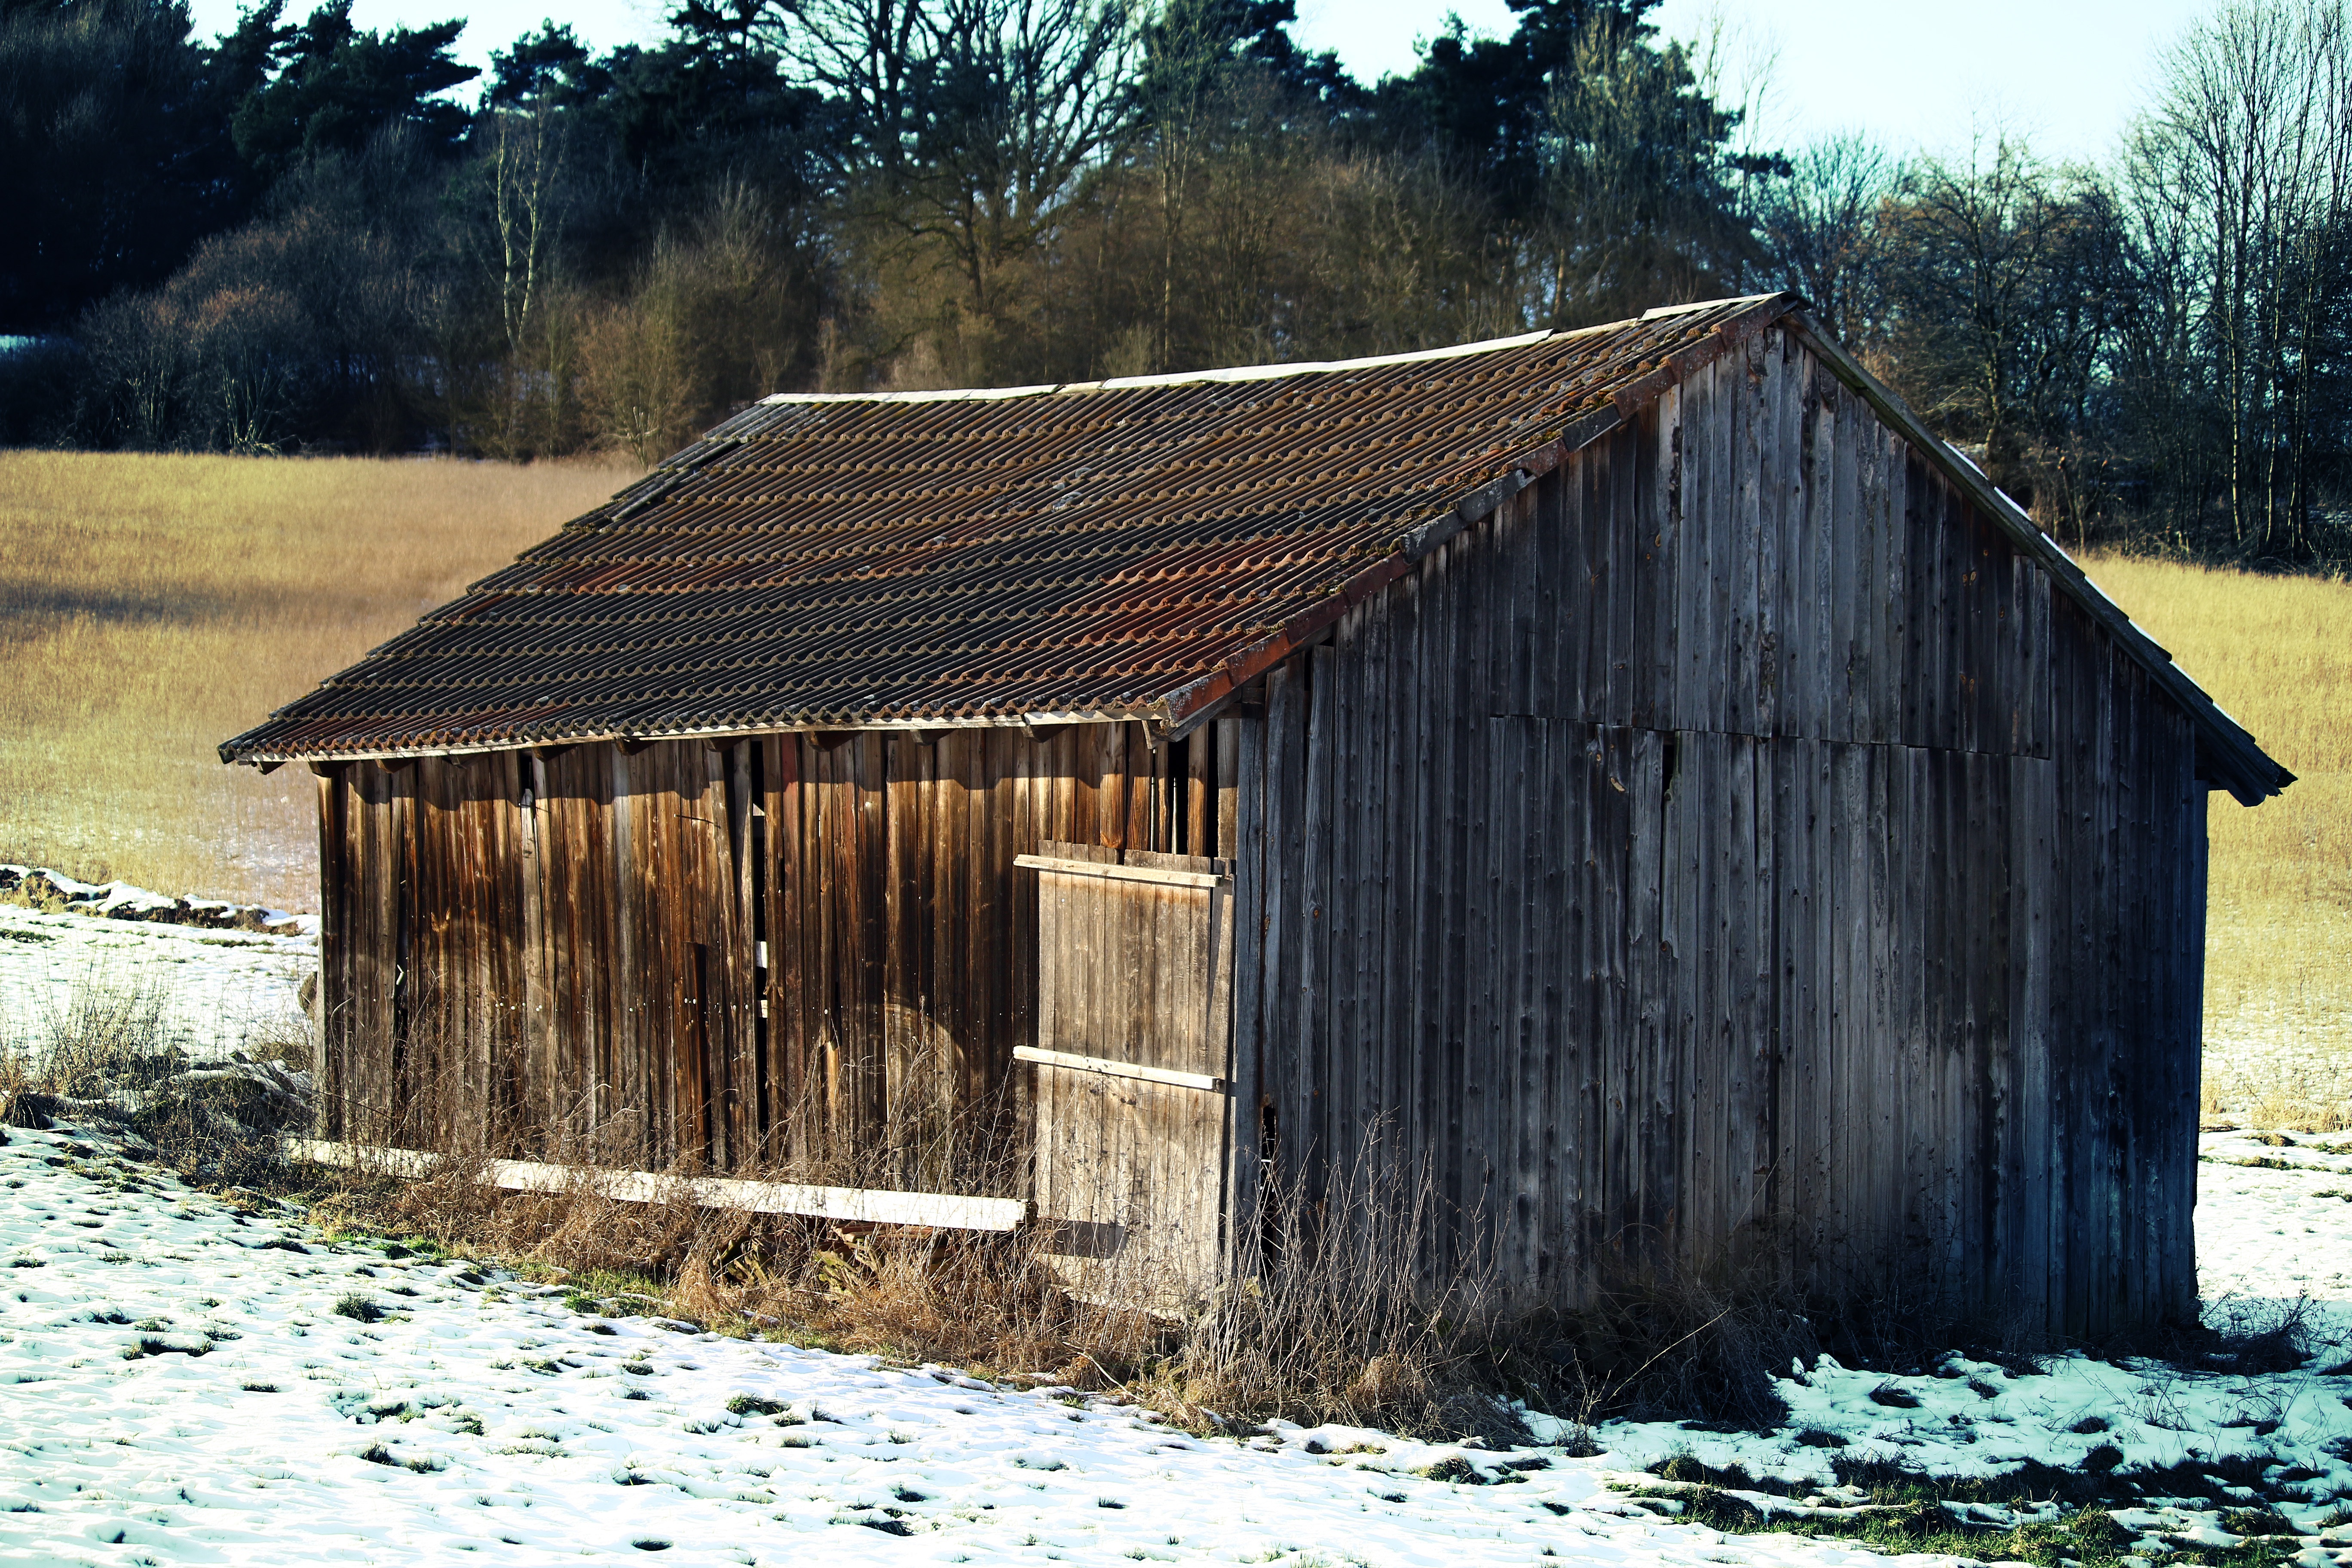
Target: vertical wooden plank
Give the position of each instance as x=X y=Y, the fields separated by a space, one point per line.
x=1144 y=767
x=959 y=982
x=1816 y=1085
x=1242 y=837
x=1573 y=516
x=1836 y=438
x=1882 y=674
x=1618 y=597
x=1746 y=550
x=1511 y=907
x=1285 y=914
x=1200 y=797
x=784 y=924
x=1763 y=975
x=543 y=1073
x=1555 y=1003
x=1310 y=1023
x=1486 y=1088
x=1690 y=1102
x=2198 y=860
x=1698 y=655
x=1354 y=667
x=1226 y=782
x=1655 y=448
x=338 y=881
x=1641 y=1139
x=1430 y=1134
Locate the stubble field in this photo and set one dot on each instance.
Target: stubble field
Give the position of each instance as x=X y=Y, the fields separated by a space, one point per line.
x=2276 y=652
x=152 y=605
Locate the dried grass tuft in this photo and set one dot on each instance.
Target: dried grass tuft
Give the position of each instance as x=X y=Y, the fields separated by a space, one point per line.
x=109 y=1054
x=1336 y=1316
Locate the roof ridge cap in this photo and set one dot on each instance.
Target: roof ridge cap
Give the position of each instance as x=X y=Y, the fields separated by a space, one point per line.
x=1662 y=313
x=1245 y=372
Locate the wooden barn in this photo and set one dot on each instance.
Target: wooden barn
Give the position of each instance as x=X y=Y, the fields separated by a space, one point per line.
x=1636 y=778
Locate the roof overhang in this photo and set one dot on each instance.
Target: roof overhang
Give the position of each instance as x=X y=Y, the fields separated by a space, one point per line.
x=2231 y=754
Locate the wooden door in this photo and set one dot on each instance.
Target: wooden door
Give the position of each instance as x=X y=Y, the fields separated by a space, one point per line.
x=1134 y=1065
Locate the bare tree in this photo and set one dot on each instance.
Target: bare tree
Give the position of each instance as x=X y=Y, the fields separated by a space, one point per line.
x=1820 y=229
x=526 y=164
x=2000 y=274
x=2248 y=158
x=969 y=123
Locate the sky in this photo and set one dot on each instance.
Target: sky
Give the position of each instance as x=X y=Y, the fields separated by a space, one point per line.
x=1915 y=77
x=1918 y=77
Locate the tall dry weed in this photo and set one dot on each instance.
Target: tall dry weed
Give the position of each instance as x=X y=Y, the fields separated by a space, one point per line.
x=109 y=1054
x=1334 y=1314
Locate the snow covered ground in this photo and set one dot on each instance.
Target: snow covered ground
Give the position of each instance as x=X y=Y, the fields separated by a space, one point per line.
x=180 y=1388
x=214 y=991
x=184 y=1389
x=2274 y=1220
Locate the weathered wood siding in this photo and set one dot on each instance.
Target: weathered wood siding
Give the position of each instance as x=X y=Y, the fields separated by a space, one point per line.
x=1735 y=856
x=541 y=956
x=769 y=953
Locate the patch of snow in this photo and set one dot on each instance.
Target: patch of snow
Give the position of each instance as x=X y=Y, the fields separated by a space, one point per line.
x=2267 y=1239
x=128 y=901
x=214 y=991
x=183 y=1390
x=2267 y=1233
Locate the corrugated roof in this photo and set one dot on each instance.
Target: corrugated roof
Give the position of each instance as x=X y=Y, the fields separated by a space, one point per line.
x=1130 y=548
x=1079 y=551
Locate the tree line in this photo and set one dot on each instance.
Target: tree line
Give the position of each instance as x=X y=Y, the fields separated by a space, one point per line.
x=303 y=235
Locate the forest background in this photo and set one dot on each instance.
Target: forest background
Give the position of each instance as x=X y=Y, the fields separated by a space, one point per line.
x=304 y=237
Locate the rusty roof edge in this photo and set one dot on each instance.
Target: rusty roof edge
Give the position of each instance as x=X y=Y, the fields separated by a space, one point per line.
x=2251 y=774
x=262 y=752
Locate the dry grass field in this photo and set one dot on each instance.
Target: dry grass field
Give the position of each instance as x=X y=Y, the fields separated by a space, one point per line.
x=151 y=607
x=2277 y=653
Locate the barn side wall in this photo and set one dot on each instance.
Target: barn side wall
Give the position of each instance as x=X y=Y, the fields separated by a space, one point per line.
x=768 y=954
x=1735 y=858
